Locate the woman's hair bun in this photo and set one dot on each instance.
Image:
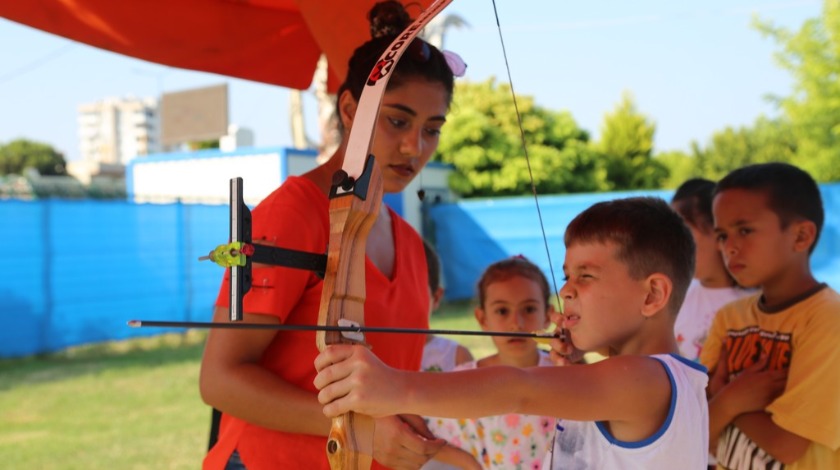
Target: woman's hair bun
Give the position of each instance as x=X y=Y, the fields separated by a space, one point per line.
x=387 y=19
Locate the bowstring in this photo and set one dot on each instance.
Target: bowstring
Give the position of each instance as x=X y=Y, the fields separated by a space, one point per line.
x=527 y=157
x=533 y=187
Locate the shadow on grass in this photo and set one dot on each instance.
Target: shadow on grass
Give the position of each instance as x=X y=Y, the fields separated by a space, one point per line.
x=96 y=358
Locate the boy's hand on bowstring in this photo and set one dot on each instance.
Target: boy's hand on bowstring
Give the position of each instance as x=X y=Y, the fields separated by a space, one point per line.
x=563 y=352
x=754 y=388
x=351 y=378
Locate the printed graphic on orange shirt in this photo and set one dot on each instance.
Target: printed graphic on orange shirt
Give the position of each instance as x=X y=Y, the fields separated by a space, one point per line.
x=745 y=347
x=736 y=451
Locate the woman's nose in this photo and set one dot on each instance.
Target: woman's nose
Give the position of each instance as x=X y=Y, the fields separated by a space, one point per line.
x=411 y=143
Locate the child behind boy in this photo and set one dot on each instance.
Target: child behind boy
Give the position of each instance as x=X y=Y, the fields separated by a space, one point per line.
x=768 y=219
x=513 y=296
x=628 y=264
x=439 y=354
x=713 y=286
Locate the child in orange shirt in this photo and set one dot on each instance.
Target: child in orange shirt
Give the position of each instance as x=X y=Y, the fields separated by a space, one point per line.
x=768 y=219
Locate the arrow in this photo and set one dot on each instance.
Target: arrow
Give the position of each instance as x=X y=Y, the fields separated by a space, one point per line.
x=540 y=336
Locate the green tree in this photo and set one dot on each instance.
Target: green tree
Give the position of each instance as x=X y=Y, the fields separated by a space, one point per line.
x=203 y=144
x=483 y=141
x=812 y=56
x=766 y=140
x=680 y=167
x=627 y=146
x=20 y=154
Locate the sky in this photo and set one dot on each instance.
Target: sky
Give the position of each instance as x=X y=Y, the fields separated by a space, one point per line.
x=692 y=67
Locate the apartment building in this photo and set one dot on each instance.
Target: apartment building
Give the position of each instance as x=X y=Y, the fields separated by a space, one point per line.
x=116 y=130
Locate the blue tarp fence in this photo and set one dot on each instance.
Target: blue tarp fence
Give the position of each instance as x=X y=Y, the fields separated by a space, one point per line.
x=75 y=272
x=470 y=235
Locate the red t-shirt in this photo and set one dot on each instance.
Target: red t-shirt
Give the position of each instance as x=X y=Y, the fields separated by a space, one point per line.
x=296 y=216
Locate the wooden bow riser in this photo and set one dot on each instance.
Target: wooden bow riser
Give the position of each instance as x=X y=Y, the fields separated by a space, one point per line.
x=344 y=449
x=343 y=297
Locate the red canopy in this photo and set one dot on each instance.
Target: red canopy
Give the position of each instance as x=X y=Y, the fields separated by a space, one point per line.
x=268 y=41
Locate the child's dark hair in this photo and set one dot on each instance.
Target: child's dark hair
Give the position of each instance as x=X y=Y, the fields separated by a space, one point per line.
x=420 y=59
x=791 y=192
x=651 y=238
x=693 y=201
x=433 y=266
x=508 y=268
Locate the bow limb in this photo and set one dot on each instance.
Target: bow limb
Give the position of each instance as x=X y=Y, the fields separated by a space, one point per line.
x=355 y=200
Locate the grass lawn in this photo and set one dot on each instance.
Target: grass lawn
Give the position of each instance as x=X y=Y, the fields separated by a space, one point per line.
x=125 y=405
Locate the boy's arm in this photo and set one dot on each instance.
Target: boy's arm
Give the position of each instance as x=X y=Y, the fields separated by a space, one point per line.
x=752 y=390
x=784 y=446
x=720 y=416
x=628 y=391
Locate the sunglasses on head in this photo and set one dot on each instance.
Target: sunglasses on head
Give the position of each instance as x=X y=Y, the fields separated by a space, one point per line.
x=420 y=51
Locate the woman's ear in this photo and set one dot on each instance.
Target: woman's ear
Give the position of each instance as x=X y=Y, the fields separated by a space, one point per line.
x=659 y=290
x=347 y=109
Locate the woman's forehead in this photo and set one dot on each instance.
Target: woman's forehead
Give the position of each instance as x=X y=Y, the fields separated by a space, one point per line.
x=418 y=90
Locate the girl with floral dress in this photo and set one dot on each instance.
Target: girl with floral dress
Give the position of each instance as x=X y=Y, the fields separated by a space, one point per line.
x=513 y=296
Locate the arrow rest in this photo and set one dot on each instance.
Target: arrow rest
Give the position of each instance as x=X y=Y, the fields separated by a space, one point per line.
x=344 y=184
x=342 y=180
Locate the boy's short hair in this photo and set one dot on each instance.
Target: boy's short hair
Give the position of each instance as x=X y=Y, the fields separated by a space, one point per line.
x=791 y=192
x=433 y=266
x=693 y=201
x=652 y=238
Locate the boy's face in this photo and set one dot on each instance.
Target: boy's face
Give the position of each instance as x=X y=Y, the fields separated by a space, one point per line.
x=755 y=248
x=601 y=301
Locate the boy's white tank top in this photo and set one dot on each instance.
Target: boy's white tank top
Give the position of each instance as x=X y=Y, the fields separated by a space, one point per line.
x=681 y=442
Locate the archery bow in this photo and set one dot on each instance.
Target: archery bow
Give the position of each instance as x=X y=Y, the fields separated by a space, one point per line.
x=355 y=200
